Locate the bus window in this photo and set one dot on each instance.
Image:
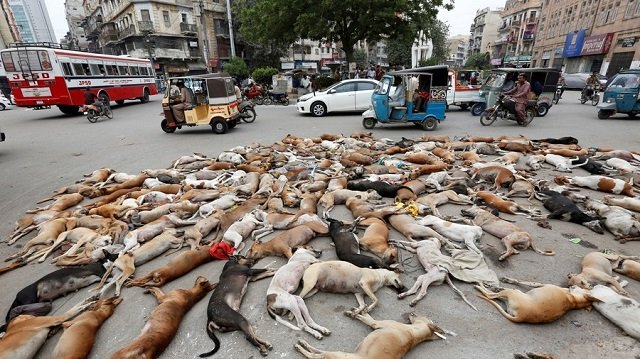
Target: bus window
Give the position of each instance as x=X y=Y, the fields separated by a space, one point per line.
x=102 y=70
x=143 y=71
x=78 y=69
x=66 y=68
x=94 y=69
x=87 y=70
x=124 y=71
x=112 y=70
x=133 y=70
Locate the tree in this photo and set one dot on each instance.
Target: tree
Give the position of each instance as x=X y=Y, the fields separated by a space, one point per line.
x=438 y=35
x=236 y=67
x=399 y=52
x=264 y=75
x=478 y=61
x=343 y=22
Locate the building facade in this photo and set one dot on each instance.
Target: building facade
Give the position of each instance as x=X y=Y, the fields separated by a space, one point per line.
x=8 y=27
x=75 y=14
x=484 y=31
x=589 y=35
x=421 y=50
x=458 y=46
x=517 y=33
x=32 y=20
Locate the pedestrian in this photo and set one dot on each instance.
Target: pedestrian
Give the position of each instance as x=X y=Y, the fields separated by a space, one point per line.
x=314 y=83
x=305 y=84
x=379 y=73
x=371 y=73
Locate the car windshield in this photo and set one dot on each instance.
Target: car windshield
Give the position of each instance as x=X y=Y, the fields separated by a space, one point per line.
x=625 y=81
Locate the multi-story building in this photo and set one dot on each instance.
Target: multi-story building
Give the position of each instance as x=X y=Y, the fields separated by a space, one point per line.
x=589 y=35
x=484 y=31
x=8 y=27
x=516 y=35
x=76 y=13
x=32 y=19
x=421 y=50
x=181 y=37
x=310 y=55
x=458 y=46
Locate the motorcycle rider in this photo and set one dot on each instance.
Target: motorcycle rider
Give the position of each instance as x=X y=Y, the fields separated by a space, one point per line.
x=520 y=95
x=562 y=83
x=91 y=99
x=592 y=83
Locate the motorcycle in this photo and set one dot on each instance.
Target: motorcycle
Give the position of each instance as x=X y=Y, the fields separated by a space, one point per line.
x=558 y=95
x=590 y=93
x=279 y=97
x=93 y=113
x=505 y=109
x=247 y=111
x=256 y=95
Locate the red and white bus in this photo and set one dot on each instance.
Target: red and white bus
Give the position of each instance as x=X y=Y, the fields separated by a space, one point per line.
x=44 y=75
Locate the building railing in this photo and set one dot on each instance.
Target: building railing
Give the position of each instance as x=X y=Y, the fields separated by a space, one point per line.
x=188 y=28
x=126 y=32
x=145 y=26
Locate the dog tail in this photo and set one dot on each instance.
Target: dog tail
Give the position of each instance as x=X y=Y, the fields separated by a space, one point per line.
x=216 y=341
x=546 y=253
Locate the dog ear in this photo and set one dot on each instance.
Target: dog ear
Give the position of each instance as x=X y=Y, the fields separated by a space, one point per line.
x=571 y=275
x=592 y=298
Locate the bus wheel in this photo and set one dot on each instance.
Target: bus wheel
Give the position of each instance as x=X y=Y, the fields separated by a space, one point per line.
x=219 y=126
x=120 y=102
x=69 y=110
x=145 y=96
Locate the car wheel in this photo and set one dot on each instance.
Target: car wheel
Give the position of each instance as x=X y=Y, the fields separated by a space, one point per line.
x=429 y=124
x=166 y=128
x=369 y=123
x=318 y=109
x=2 y=107
x=604 y=114
x=478 y=108
x=543 y=110
x=219 y=127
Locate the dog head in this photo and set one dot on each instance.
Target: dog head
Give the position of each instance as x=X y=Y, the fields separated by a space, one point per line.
x=392 y=279
x=578 y=280
x=595 y=226
x=305 y=253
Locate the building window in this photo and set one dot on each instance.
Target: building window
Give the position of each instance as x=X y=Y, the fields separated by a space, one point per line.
x=167 y=20
x=184 y=18
x=144 y=14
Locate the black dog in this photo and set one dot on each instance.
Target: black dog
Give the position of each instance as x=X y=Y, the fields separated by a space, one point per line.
x=589 y=165
x=36 y=298
x=384 y=189
x=563 y=208
x=347 y=245
x=559 y=141
x=224 y=304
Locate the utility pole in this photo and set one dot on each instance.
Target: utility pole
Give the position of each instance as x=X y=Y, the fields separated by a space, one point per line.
x=205 y=42
x=233 y=45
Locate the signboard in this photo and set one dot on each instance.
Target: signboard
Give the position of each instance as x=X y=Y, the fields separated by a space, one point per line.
x=36 y=92
x=287 y=65
x=598 y=44
x=626 y=42
x=573 y=43
x=496 y=62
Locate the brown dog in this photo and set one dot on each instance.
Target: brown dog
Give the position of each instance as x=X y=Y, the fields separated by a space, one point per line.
x=388 y=340
x=283 y=243
x=178 y=266
x=544 y=304
x=596 y=269
x=80 y=333
x=376 y=240
x=500 y=176
x=164 y=320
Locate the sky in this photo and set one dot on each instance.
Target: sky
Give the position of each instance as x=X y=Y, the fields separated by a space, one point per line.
x=463 y=13
x=459 y=19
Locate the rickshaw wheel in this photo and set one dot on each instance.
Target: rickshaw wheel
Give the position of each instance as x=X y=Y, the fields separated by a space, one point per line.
x=477 y=108
x=369 y=123
x=165 y=128
x=487 y=118
x=604 y=114
x=464 y=107
x=529 y=115
x=429 y=124
x=543 y=110
x=219 y=126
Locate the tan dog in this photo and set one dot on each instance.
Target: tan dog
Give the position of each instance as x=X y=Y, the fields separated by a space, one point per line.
x=178 y=266
x=363 y=209
x=340 y=196
x=164 y=320
x=627 y=265
x=80 y=333
x=408 y=226
x=544 y=304
x=499 y=175
x=344 y=277
x=47 y=234
x=389 y=339
x=502 y=205
x=632 y=204
x=376 y=240
x=26 y=334
x=410 y=191
x=283 y=243
x=433 y=200
x=596 y=269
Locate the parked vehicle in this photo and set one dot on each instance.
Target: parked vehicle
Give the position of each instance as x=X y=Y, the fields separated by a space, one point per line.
x=463 y=92
x=590 y=93
x=545 y=80
x=214 y=103
x=347 y=95
x=247 y=111
x=426 y=110
x=505 y=109
x=256 y=94
x=578 y=80
x=4 y=103
x=94 y=112
x=621 y=96
x=279 y=97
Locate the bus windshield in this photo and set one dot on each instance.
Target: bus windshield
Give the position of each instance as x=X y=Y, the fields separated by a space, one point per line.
x=26 y=61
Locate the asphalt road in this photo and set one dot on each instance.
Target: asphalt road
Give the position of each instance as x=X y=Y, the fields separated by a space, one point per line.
x=45 y=150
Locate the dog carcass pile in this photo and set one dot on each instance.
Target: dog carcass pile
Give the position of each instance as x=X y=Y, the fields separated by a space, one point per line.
x=107 y=225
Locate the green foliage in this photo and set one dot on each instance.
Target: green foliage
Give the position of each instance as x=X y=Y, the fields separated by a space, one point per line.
x=263 y=75
x=399 y=52
x=478 y=61
x=236 y=67
x=344 y=22
x=439 y=34
x=360 y=58
x=325 y=81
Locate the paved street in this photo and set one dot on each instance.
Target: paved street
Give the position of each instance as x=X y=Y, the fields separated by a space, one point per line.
x=45 y=150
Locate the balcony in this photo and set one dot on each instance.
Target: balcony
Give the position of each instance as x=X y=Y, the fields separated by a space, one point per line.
x=126 y=32
x=515 y=23
x=108 y=35
x=188 y=29
x=528 y=36
x=145 y=26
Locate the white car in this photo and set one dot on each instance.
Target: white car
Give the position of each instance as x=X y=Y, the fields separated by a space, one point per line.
x=348 y=95
x=4 y=103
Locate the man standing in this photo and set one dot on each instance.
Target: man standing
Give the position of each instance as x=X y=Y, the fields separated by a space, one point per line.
x=519 y=94
x=305 y=84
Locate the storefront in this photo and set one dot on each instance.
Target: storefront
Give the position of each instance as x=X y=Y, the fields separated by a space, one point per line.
x=625 y=53
x=586 y=53
x=571 y=51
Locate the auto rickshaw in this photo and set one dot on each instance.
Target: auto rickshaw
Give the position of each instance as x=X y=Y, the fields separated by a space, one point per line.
x=425 y=98
x=621 y=95
x=214 y=103
x=543 y=85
